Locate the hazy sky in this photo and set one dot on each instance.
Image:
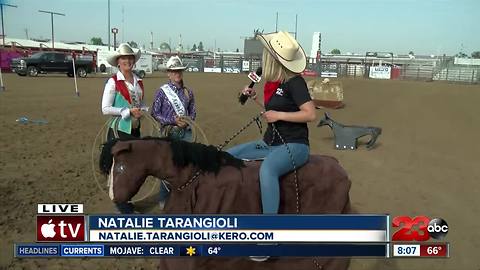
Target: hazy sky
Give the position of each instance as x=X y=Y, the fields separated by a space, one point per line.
x=423 y=26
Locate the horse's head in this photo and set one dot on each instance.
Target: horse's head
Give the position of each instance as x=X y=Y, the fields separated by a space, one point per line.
x=326 y=120
x=127 y=164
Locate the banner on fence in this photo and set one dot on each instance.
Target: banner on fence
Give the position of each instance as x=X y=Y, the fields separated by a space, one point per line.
x=380 y=72
x=466 y=61
x=245 y=65
x=212 y=69
x=329 y=70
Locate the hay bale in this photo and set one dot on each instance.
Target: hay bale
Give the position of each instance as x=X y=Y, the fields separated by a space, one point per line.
x=326 y=93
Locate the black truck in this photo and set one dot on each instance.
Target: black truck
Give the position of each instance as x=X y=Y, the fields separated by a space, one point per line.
x=48 y=62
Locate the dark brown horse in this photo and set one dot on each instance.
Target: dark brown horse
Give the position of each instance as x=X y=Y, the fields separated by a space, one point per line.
x=226 y=185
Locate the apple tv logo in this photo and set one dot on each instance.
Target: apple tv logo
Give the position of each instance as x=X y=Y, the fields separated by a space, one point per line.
x=58 y=223
x=48 y=230
x=60 y=228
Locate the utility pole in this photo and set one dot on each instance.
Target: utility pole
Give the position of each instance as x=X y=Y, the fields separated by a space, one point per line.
x=123 y=24
x=3 y=28
x=296 y=20
x=276 y=24
x=108 y=30
x=151 y=40
x=51 y=16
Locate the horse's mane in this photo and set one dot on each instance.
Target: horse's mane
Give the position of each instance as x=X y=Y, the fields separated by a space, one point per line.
x=205 y=157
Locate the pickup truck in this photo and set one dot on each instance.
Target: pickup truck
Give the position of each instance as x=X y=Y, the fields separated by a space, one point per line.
x=47 y=62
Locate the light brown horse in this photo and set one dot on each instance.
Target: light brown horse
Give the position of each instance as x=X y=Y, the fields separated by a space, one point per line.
x=226 y=185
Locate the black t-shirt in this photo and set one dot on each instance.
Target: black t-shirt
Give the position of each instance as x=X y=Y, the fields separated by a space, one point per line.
x=289 y=96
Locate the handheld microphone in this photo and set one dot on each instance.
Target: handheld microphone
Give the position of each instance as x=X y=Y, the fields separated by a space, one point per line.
x=255 y=77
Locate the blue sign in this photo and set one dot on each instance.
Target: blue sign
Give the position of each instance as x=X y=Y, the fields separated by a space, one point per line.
x=82 y=250
x=36 y=250
x=244 y=222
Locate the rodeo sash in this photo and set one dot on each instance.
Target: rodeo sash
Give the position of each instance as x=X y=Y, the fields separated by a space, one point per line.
x=174 y=100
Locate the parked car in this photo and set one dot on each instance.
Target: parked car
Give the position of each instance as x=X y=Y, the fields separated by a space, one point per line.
x=48 y=62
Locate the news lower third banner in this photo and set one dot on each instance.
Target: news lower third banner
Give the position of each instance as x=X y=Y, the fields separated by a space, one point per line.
x=201 y=250
x=236 y=229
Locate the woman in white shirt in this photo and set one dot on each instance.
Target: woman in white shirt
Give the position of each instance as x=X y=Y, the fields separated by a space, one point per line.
x=123 y=94
x=123 y=99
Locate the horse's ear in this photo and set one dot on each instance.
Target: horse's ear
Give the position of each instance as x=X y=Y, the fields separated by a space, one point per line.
x=120 y=147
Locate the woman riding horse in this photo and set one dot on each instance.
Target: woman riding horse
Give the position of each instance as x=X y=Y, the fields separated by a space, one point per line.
x=288 y=108
x=123 y=97
x=205 y=180
x=224 y=185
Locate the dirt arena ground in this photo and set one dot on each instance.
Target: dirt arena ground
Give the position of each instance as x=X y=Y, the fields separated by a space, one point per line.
x=425 y=162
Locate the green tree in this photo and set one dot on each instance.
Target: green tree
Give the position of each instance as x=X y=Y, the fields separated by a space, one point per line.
x=96 y=41
x=237 y=50
x=133 y=44
x=194 y=48
x=200 y=46
x=335 y=51
x=411 y=53
x=476 y=55
x=165 y=46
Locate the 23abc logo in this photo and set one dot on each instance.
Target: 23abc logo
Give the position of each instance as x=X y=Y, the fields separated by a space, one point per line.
x=436 y=228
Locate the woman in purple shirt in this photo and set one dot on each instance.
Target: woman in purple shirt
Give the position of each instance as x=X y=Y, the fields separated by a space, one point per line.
x=173 y=102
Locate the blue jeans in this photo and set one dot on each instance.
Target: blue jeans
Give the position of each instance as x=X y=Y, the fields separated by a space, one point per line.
x=277 y=162
x=184 y=135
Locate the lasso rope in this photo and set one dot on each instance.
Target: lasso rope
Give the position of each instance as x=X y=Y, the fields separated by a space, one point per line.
x=197 y=133
x=255 y=119
x=220 y=147
x=297 y=189
x=95 y=164
x=104 y=130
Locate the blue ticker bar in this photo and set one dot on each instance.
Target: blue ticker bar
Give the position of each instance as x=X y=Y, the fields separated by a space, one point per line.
x=203 y=250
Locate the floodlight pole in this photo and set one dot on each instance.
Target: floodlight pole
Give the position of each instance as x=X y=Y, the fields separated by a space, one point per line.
x=3 y=28
x=115 y=32
x=51 y=15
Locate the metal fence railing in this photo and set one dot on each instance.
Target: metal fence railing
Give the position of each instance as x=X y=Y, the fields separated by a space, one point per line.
x=429 y=71
x=460 y=74
x=221 y=64
x=417 y=72
x=424 y=72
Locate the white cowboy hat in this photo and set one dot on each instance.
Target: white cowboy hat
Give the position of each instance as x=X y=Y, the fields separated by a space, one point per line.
x=175 y=63
x=123 y=49
x=286 y=50
x=326 y=80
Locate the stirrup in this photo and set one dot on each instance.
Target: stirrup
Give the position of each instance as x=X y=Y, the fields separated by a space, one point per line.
x=259 y=258
x=254 y=159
